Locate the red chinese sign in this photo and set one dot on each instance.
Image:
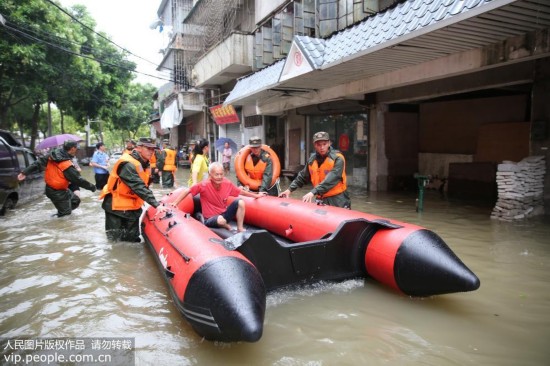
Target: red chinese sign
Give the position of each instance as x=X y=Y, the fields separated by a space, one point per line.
x=223 y=114
x=343 y=143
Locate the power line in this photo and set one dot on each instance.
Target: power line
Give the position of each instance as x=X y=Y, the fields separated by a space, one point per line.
x=93 y=96
x=100 y=35
x=51 y=36
x=35 y=39
x=58 y=39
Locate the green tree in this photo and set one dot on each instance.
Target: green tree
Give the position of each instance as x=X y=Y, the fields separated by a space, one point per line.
x=48 y=58
x=134 y=113
x=23 y=67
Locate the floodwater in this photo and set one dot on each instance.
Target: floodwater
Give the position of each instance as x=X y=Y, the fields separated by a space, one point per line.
x=62 y=278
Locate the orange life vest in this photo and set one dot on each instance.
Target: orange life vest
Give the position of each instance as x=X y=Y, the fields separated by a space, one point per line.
x=123 y=197
x=255 y=172
x=242 y=174
x=153 y=161
x=318 y=174
x=170 y=161
x=54 y=176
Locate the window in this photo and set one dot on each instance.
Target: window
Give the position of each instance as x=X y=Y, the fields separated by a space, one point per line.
x=21 y=159
x=5 y=157
x=252 y=121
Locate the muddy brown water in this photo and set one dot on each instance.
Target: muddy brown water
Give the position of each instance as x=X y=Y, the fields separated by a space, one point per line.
x=62 y=278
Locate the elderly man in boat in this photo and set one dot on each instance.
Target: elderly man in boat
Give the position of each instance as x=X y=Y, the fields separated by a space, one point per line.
x=214 y=193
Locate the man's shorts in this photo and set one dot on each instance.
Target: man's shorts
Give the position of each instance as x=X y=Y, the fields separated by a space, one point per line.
x=228 y=215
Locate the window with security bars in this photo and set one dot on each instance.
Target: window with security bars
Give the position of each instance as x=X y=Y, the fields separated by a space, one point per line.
x=182 y=70
x=252 y=121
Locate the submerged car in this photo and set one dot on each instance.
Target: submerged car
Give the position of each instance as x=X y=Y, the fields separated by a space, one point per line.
x=84 y=161
x=114 y=157
x=13 y=159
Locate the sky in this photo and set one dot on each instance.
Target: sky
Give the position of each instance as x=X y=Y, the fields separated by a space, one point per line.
x=127 y=24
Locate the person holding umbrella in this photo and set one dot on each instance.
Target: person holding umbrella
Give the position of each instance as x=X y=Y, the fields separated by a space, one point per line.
x=60 y=172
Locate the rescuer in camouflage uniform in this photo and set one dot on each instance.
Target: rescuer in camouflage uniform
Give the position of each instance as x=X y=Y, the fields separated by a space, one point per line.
x=60 y=172
x=167 y=165
x=126 y=191
x=326 y=171
x=259 y=166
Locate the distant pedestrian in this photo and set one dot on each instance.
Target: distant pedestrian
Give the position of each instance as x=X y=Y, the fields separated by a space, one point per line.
x=226 y=157
x=59 y=173
x=155 y=175
x=130 y=146
x=199 y=161
x=100 y=163
x=167 y=165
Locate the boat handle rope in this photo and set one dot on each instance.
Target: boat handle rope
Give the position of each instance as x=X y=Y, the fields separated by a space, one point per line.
x=171 y=225
x=185 y=257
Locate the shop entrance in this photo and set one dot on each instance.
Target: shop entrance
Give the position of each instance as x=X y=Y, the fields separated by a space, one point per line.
x=349 y=134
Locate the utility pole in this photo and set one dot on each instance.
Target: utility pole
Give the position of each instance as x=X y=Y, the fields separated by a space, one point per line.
x=88 y=130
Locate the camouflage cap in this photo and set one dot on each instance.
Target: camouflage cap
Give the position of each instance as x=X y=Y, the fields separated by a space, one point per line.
x=147 y=142
x=321 y=136
x=255 y=141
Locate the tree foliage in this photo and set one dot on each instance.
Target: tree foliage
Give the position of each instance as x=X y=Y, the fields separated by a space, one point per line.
x=48 y=57
x=134 y=110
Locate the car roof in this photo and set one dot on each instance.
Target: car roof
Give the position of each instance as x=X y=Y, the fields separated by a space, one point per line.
x=9 y=138
x=14 y=147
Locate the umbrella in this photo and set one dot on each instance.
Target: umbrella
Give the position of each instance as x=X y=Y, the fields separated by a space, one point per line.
x=221 y=142
x=57 y=140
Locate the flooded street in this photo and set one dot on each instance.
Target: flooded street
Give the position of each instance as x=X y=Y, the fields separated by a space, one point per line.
x=62 y=278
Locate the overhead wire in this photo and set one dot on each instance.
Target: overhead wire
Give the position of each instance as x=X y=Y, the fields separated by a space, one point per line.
x=92 y=95
x=43 y=33
x=101 y=35
x=8 y=28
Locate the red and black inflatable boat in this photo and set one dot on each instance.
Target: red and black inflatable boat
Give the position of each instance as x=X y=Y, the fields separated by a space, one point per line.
x=219 y=279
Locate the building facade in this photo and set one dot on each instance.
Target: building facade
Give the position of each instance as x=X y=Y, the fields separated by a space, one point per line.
x=438 y=87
